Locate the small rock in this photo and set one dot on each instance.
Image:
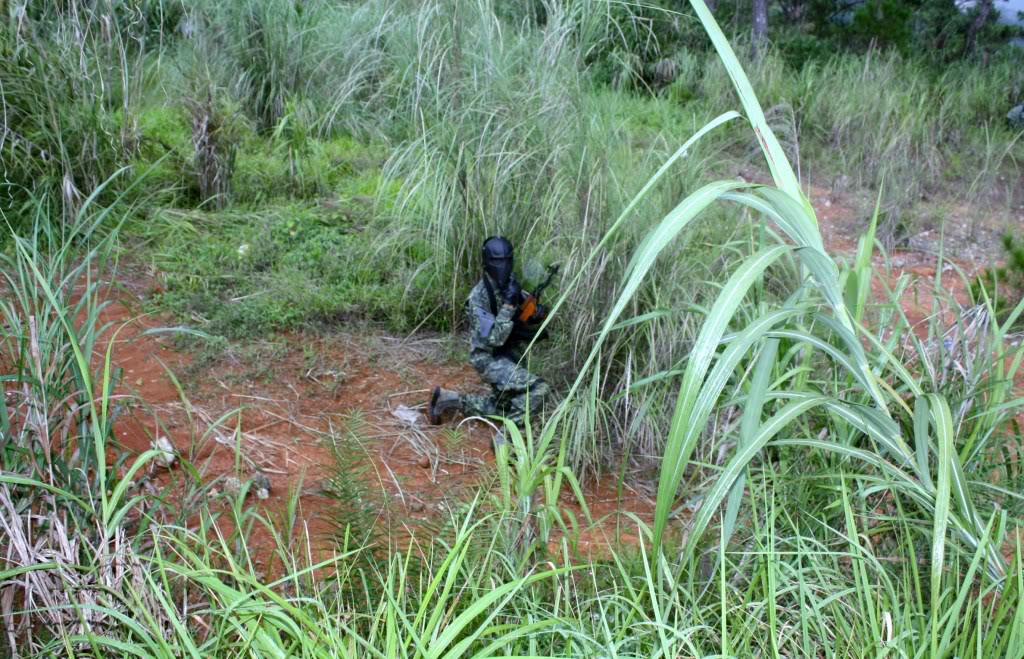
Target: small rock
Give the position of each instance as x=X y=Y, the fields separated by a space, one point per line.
x=258 y=485
x=424 y=462
x=261 y=481
x=321 y=488
x=1016 y=118
x=165 y=458
x=232 y=486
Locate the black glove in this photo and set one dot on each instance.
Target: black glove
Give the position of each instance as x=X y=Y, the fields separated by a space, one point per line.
x=513 y=292
x=526 y=332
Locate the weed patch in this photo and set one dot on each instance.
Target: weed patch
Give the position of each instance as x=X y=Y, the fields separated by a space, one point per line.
x=281 y=267
x=1004 y=285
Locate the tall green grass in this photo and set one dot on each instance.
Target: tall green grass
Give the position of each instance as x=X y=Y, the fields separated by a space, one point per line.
x=71 y=80
x=883 y=118
x=852 y=488
x=821 y=558
x=512 y=135
x=863 y=415
x=514 y=138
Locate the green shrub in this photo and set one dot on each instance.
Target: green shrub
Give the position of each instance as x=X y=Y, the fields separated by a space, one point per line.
x=333 y=167
x=69 y=86
x=282 y=267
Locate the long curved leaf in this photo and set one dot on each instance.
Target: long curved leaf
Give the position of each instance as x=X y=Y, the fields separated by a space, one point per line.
x=686 y=425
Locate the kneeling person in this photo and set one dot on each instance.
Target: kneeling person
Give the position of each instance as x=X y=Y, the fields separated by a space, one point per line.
x=495 y=346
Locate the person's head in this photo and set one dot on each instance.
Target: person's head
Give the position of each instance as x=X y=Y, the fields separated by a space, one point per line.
x=497 y=253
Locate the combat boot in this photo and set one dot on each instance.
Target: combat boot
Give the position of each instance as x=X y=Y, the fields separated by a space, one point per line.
x=442 y=400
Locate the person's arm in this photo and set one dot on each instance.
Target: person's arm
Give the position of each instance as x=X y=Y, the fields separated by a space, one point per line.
x=502 y=327
x=493 y=330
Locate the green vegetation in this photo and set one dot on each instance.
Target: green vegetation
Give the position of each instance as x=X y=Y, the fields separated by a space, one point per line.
x=1003 y=284
x=854 y=480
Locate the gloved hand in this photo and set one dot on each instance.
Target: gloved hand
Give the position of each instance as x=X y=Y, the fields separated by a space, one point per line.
x=513 y=292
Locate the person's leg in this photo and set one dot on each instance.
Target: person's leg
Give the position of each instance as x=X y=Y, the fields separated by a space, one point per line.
x=477 y=405
x=516 y=389
x=529 y=401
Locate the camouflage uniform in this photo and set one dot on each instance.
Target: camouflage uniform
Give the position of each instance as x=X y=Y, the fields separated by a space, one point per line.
x=496 y=358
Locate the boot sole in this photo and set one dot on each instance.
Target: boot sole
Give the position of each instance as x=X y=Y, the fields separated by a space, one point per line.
x=435 y=419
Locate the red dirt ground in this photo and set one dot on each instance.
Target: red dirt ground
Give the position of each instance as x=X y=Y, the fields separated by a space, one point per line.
x=291 y=409
x=309 y=388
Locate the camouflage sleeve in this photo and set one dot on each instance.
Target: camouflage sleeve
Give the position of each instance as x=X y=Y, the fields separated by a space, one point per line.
x=487 y=328
x=502 y=327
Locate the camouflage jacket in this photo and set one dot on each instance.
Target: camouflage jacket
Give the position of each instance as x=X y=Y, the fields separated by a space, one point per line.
x=489 y=332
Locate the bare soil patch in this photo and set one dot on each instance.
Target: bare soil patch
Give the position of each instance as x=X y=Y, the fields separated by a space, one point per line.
x=310 y=391
x=285 y=402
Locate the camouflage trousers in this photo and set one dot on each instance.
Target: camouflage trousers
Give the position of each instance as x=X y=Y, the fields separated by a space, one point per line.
x=514 y=390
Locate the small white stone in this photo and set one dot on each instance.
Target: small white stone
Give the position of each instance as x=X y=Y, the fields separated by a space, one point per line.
x=165 y=458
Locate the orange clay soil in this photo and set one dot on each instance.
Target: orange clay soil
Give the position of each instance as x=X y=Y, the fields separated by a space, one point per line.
x=307 y=388
x=289 y=409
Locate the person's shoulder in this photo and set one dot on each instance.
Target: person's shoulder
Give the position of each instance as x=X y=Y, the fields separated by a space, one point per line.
x=478 y=294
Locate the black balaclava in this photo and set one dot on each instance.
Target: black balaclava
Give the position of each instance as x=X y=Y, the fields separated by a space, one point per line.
x=498 y=259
